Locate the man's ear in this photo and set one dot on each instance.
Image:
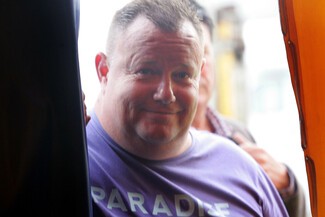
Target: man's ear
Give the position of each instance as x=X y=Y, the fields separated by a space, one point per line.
x=101 y=65
x=203 y=63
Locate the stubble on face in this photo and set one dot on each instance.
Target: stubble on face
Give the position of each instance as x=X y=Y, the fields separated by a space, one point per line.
x=141 y=120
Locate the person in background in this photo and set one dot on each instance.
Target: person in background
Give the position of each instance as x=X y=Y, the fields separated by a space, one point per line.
x=207 y=119
x=144 y=157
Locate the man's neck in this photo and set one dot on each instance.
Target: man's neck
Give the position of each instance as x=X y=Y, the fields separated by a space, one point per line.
x=159 y=151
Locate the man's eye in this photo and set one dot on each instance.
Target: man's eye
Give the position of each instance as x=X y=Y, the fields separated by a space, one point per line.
x=182 y=75
x=147 y=72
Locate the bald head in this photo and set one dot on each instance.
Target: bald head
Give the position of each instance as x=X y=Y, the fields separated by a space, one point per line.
x=167 y=15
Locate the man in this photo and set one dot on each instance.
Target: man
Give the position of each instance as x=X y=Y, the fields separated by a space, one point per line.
x=144 y=157
x=207 y=119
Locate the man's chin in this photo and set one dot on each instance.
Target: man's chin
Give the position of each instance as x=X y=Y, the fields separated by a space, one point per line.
x=157 y=139
x=156 y=135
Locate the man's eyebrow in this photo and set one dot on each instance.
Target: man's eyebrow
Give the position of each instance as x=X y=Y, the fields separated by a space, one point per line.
x=133 y=63
x=150 y=62
x=154 y=63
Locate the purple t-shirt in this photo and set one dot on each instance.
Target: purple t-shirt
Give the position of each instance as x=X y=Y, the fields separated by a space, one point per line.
x=212 y=178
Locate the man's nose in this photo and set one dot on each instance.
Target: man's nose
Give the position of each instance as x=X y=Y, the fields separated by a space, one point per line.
x=164 y=92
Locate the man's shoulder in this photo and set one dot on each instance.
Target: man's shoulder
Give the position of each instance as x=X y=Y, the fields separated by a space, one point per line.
x=203 y=136
x=214 y=144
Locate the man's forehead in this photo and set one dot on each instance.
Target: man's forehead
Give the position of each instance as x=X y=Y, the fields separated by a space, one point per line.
x=143 y=26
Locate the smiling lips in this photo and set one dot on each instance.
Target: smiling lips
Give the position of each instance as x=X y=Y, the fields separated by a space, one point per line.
x=162 y=114
x=163 y=111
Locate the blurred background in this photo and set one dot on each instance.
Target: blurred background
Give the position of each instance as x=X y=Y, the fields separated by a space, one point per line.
x=253 y=79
